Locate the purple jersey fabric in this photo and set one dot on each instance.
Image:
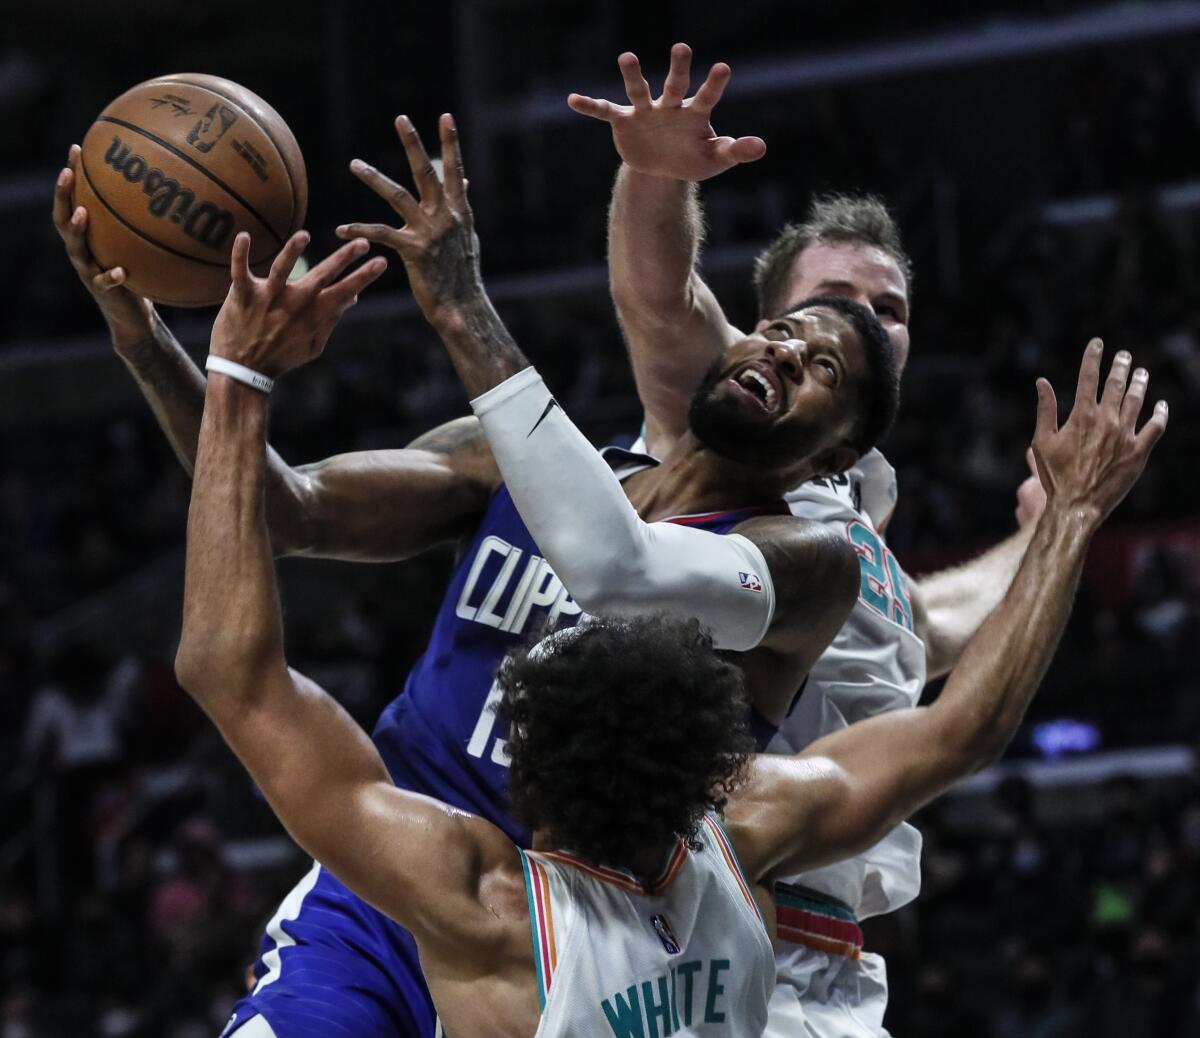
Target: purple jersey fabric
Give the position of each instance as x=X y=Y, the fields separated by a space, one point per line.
x=331 y=965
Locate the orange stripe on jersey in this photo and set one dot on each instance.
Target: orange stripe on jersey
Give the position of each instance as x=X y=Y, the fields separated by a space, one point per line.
x=617 y=879
x=622 y=879
x=731 y=860
x=544 y=921
x=817 y=941
x=549 y=921
x=678 y=857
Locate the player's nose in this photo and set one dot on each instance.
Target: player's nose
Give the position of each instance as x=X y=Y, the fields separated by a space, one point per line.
x=789 y=357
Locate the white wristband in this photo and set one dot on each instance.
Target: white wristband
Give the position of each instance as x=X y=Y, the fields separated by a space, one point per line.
x=240 y=373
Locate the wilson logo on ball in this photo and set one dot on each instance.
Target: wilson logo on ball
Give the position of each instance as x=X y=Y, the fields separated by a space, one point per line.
x=206 y=223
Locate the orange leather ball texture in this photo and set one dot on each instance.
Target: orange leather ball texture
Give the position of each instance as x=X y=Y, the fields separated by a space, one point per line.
x=177 y=166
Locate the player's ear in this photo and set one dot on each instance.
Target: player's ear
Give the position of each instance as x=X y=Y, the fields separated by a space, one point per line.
x=835 y=460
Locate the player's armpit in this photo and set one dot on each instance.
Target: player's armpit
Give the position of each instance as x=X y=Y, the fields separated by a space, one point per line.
x=387 y=505
x=438 y=871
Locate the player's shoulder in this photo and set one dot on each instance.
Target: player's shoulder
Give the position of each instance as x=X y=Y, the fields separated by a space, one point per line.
x=804 y=555
x=492 y=911
x=867 y=489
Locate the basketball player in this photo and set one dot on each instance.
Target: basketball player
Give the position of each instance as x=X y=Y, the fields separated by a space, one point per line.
x=626 y=740
x=775 y=410
x=901 y=631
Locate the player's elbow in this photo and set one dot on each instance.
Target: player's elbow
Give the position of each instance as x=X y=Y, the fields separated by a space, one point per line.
x=600 y=592
x=602 y=574
x=970 y=748
x=197 y=667
x=224 y=662
x=293 y=512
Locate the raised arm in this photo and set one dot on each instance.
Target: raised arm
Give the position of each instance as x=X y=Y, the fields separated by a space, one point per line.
x=417 y=860
x=367 y=506
x=949 y=605
x=850 y=788
x=672 y=322
x=606 y=555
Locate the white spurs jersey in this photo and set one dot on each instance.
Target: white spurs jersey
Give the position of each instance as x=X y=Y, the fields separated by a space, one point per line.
x=688 y=956
x=875 y=663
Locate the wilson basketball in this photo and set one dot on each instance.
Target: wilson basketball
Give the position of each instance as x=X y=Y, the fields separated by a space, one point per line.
x=173 y=170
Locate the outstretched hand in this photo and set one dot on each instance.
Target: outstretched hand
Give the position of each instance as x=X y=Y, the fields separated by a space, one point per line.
x=129 y=316
x=437 y=240
x=1090 y=464
x=672 y=136
x=272 y=325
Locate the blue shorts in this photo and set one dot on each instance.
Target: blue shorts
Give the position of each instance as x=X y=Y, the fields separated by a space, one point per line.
x=330 y=966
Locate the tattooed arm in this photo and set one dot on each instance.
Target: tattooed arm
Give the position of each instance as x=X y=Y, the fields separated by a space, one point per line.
x=368 y=506
x=441 y=256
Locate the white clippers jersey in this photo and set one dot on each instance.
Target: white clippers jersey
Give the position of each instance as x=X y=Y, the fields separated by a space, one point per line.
x=875 y=663
x=691 y=956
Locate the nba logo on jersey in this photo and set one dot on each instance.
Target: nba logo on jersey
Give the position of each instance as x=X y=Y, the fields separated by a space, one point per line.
x=665 y=933
x=750 y=581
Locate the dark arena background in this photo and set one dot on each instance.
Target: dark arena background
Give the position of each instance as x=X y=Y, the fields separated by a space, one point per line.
x=1044 y=163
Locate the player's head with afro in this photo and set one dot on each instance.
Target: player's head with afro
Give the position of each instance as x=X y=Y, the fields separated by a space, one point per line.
x=623 y=733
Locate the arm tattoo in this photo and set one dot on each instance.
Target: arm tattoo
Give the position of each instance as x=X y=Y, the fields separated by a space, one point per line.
x=161 y=366
x=451 y=265
x=480 y=346
x=481 y=349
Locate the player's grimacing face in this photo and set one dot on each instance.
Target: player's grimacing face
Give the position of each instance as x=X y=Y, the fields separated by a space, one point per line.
x=784 y=395
x=858 y=271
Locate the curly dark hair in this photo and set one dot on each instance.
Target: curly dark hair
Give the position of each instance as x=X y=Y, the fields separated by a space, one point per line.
x=623 y=733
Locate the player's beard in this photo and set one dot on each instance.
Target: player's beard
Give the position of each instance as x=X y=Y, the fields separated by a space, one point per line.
x=721 y=423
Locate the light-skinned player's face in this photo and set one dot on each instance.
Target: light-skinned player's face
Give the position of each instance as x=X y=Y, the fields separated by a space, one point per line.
x=786 y=395
x=864 y=273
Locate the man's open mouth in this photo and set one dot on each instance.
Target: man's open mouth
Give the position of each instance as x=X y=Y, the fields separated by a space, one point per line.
x=761 y=385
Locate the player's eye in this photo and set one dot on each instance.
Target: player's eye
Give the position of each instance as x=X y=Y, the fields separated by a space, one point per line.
x=829 y=366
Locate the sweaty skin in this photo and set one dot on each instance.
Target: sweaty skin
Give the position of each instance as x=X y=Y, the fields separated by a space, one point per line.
x=454 y=880
x=674 y=325
x=394 y=504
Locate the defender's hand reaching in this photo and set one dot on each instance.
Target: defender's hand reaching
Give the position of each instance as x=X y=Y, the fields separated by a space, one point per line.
x=130 y=318
x=671 y=137
x=437 y=240
x=272 y=325
x=1091 y=463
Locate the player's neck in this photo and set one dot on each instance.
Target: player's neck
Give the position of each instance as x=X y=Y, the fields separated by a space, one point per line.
x=692 y=479
x=647 y=866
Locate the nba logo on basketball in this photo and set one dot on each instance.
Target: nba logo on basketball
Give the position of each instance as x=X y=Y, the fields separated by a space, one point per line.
x=212 y=127
x=750 y=581
x=665 y=933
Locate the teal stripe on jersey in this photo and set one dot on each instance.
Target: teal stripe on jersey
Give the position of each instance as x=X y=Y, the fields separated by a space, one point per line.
x=533 y=929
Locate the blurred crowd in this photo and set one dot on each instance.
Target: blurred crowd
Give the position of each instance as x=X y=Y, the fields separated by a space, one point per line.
x=1045 y=919
x=137 y=864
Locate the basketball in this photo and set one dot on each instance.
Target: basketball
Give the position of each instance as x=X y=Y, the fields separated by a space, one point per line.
x=173 y=170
